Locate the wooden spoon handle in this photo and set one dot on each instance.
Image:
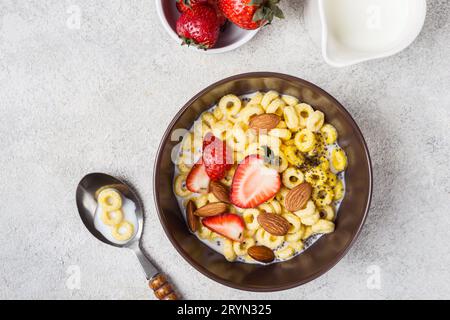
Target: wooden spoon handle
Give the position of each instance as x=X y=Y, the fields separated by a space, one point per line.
x=162 y=288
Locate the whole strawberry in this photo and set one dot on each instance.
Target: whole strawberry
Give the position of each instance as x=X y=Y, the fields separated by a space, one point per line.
x=184 y=5
x=250 y=14
x=199 y=26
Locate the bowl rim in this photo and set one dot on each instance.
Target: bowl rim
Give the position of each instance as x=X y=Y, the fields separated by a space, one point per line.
x=156 y=192
x=250 y=34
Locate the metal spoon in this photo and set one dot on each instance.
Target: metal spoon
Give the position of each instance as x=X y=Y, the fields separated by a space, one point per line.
x=86 y=198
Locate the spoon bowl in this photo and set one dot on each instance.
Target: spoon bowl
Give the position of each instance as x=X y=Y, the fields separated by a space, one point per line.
x=87 y=204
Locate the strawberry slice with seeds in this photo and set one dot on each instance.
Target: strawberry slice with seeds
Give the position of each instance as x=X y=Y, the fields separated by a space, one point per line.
x=229 y=225
x=254 y=183
x=197 y=179
x=217 y=157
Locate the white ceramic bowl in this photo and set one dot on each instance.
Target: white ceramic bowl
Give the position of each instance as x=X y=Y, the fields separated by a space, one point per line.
x=232 y=38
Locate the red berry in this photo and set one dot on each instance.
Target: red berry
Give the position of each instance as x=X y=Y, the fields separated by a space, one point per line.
x=254 y=183
x=250 y=14
x=217 y=157
x=198 y=180
x=184 y=5
x=199 y=26
x=228 y=225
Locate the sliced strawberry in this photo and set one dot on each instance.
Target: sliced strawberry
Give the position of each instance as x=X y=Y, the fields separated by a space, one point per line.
x=228 y=225
x=217 y=157
x=197 y=179
x=254 y=183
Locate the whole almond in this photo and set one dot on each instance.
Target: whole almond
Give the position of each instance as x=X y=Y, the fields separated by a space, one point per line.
x=261 y=254
x=297 y=197
x=192 y=220
x=211 y=209
x=273 y=223
x=220 y=191
x=266 y=121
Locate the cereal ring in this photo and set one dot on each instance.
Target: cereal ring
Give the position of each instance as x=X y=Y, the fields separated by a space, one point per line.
x=283 y=134
x=256 y=99
x=289 y=100
x=316 y=177
x=294 y=156
x=322 y=195
x=276 y=107
x=338 y=190
x=123 y=231
x=309 y=210
x=338 y=159
x=327 y=213
x=230 y=105
x=218 y=114
x=112 y=218
x=329 y=133
x=249 y=111
x=311 y=219
x=291 y=118
x=180 y=186
x=268 y=98
x=284 y=253
x=294 y=222
x=251 y=219
x=240 y=248
x=304 y=111
x=315 y=121
x=292 y=177
x=305 y=140
x=296 y=236
x=323 y=226
x=228 y=250
x=296 y=245
x=110 y=199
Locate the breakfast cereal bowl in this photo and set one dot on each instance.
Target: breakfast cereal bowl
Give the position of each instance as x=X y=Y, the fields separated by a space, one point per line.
x=321 y=254
x=230 y=39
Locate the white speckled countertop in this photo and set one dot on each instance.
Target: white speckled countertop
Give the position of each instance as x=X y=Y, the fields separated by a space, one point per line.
x=98 y=98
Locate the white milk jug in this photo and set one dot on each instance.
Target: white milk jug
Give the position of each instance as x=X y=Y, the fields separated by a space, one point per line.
x=352 y=31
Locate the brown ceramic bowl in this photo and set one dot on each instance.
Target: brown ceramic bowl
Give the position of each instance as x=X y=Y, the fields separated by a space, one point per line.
x=324 y=253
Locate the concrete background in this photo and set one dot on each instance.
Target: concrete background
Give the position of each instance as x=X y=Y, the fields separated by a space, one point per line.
x=98 y=98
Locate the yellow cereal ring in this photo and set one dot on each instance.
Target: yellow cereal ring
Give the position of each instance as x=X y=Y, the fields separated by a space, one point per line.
x=331 y=179
x=123 y=231
x=315 y=121
x=294 y=156
x=276 y=106
x=292 y=177
x=283 y=134
x=289 y=100
x=323 y=226
x=291 y=118
x=308 y=233
x=304 y=111
x=322 y=195
x=316 y=177
x=296 y=245
x=305 y=140
x=327 y=213
x=110 y=199
x=228 y=250
x=111 y=218
x=230 y=105
x=218 y=114
x=338 y=190
x=256 y=99
x=284 y=253
x=180 y=186
x=250 y=217
x=268 y=98
x=294 y=222
x=240 y=248
x=338 y=159
x=329 y=133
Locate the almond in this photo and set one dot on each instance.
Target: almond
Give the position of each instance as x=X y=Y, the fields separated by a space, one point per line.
x=211 y=209
x=191 y=219
x=220 y=191
x=261 y=253
x=297 y=198
x=266 y=121
x=273 y=223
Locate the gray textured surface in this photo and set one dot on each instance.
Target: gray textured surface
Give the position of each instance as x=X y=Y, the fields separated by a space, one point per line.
x=99 y=99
